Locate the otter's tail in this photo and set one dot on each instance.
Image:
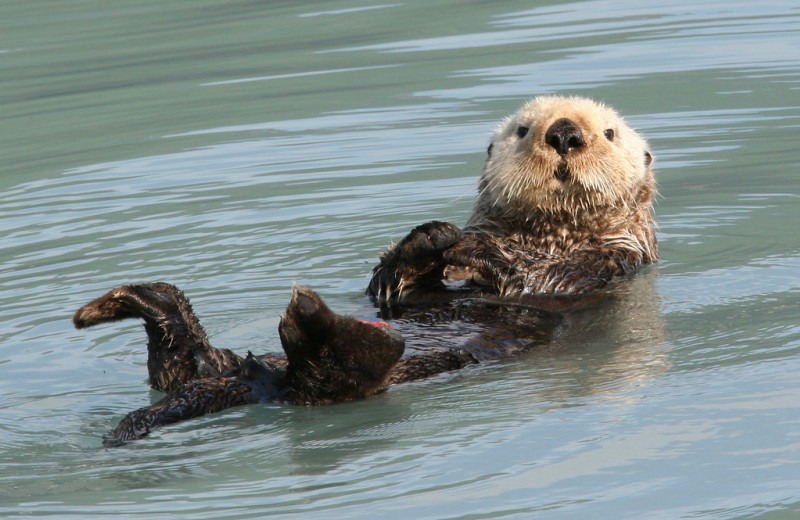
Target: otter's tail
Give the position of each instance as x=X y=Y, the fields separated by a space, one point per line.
x=195 y=399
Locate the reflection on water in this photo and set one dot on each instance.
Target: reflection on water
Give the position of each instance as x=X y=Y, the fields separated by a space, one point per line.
x=234 y=149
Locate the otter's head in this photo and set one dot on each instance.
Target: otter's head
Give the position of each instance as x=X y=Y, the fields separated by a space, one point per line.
x=562 y=154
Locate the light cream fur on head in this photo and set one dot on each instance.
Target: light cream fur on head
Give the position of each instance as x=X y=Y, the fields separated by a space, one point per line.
x=612 y=169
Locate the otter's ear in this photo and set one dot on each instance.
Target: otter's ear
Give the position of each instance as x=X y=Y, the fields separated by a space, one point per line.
x=489 y=150
x=648 y=158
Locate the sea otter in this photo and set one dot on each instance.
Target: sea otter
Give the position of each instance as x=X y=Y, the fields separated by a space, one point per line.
x=564 y=205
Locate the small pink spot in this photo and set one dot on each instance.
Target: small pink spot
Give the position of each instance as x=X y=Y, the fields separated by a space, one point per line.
x=380 y=324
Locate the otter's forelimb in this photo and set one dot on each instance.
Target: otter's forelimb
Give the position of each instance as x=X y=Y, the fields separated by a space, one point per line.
x=414 y=262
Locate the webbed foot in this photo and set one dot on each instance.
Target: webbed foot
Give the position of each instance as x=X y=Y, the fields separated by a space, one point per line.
x=178 y=348
x=332 y=357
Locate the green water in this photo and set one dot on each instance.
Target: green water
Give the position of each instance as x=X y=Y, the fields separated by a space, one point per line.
x=233 y=148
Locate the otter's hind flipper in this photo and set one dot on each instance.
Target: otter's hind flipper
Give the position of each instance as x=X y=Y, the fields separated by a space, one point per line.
x=334 y=358
x=178 y=348
x=415 y=261
x=195 y=399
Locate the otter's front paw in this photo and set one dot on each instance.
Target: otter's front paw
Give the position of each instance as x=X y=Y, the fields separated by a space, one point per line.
x=416 y=259
x=428 y=239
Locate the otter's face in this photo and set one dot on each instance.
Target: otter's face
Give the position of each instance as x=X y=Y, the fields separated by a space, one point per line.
x=563 y=153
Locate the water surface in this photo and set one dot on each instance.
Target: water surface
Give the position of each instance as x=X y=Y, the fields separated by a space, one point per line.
x=233 y=149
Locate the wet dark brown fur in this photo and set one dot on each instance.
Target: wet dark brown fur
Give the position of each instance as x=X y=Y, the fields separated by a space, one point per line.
x=564 y=206
x=177 y=347
x=329 y=357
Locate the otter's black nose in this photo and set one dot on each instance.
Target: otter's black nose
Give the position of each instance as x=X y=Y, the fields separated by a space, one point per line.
x=564 y=136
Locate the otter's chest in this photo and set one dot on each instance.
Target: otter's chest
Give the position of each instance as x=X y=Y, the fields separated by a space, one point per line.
x=552 y=239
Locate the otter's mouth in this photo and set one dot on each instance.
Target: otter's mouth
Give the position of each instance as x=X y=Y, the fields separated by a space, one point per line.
x=562 y=172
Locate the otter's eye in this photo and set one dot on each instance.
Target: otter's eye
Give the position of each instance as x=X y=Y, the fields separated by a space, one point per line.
x=489 y=150
x=522 y=131
x=609 y=134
